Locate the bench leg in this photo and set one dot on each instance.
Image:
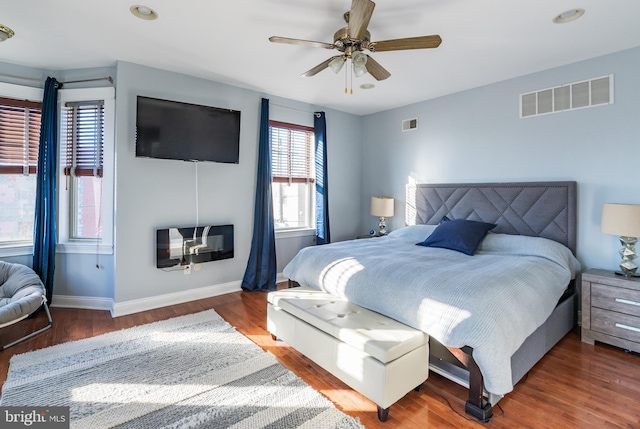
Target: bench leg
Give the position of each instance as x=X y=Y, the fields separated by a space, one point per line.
x=383 y=413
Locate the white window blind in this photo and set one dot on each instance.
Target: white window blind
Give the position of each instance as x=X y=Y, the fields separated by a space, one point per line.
x=19 y=136
x=85 y=138
x=291 y=152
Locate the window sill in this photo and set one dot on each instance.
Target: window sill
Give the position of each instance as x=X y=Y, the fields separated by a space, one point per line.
x=291 y=233
x=17 y=250
x=85 y=248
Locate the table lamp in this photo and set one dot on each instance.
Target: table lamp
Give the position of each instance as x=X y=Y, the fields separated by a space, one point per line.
x=383 y=208
x=623 y=220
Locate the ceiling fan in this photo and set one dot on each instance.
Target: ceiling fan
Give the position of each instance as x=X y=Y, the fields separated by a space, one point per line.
x=354 y=38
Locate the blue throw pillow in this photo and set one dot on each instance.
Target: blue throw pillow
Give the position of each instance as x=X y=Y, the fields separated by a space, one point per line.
x=459 y=234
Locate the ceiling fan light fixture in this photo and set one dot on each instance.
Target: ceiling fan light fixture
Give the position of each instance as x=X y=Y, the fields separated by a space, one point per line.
x=359 y=62
x=568 y=16
x=5 y=33
x=359 y=71
x=359 y=59
x=336 y=64
x=144 y=12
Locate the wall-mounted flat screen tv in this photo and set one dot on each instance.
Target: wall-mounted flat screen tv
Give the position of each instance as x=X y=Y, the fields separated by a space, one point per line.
x=189 y=132
x=193 y=245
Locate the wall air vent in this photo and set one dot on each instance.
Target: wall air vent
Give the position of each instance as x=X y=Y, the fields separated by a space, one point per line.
x=409 y=124
x=571 y=96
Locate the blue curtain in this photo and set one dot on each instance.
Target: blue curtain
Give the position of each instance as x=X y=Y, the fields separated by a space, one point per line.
x=44 y=231
x=261 y=269
x=323 y=235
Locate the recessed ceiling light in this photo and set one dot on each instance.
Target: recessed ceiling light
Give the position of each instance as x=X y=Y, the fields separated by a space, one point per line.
x=5 y=33
x=367 y=86
x=568 y=16
x=144 y=12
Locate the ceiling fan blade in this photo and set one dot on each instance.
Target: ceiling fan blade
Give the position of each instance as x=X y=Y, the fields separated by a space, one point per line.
x=359 y=17
x=317 y=69
x=287 y=40
x=376 y=70
x=422 y=42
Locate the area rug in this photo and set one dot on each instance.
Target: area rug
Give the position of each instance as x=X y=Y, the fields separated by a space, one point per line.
x=193 y=371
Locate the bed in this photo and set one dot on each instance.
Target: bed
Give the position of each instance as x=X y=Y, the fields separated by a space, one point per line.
x=490 y=316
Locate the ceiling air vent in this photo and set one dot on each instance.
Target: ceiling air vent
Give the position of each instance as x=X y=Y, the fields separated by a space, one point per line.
x=571 y=96
x=409 y=124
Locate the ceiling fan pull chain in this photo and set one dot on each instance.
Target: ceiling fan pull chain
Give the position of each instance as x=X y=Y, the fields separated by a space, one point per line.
x=345 y=78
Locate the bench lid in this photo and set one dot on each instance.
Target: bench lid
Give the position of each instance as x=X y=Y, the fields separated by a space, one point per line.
x=379 y=336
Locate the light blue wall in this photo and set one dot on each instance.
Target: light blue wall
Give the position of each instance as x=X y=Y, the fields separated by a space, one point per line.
x=155 y=193
x=477 y=136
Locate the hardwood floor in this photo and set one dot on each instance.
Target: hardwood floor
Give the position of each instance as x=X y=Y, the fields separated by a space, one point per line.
x=574 y=386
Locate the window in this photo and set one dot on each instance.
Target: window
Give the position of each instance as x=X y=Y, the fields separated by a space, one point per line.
x=19 y=139
x=19 y=136
x=83 y=123
x=293 y=175
x=85 y=204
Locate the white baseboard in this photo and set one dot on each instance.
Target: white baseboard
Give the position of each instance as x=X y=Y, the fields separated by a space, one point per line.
x=144 y=304
x=84 y=302
x=137 y=305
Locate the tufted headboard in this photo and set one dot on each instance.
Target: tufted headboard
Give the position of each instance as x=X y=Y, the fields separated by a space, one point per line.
x=540 y=209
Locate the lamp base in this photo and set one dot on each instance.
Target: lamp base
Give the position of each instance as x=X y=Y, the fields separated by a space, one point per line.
x=628 y=254
x=382 y=226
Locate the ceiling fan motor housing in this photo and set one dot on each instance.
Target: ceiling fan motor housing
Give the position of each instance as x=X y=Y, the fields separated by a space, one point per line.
x=347 y=45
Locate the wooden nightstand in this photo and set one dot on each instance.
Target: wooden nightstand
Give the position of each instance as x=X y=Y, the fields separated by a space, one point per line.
x=611 y=309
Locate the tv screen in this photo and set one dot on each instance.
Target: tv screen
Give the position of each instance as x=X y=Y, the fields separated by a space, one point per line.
x=193 y=245
x=189 y=132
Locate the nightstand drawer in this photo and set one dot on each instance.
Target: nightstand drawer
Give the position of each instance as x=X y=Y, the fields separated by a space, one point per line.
x=617 y=299
x=616 y=324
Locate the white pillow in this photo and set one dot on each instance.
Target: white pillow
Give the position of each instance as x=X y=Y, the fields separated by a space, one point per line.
x=415 y=233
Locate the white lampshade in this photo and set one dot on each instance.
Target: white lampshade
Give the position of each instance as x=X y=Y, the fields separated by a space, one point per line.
x=382 y=206
x=622 y=220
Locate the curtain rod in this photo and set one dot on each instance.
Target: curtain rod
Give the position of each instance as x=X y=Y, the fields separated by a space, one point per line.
x=109 y=78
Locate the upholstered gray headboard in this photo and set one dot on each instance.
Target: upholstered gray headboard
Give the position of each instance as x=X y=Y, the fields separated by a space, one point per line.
x=541 y=209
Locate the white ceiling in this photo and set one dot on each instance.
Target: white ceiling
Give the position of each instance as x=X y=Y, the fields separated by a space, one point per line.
x=227 y=41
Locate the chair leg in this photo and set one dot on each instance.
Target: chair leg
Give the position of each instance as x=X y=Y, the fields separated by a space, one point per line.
x=46 y=309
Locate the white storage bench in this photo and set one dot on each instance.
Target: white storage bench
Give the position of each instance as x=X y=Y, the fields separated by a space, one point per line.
x=376 y=356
